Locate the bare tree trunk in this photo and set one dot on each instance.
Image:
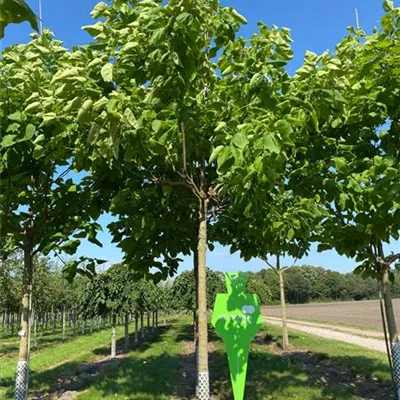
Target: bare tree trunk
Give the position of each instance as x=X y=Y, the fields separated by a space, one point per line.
x=74 y=323
x=34 y=328
x=22 y=379
x=285 y=337
x=126 y=346
x=141 y=326
x=12 y=323
x=203 y=382
x=156 y=318
x=195 y=316
x=392 y=328
x=54 y=319
x=114 y=336
x=136 y=328
x=63 y=323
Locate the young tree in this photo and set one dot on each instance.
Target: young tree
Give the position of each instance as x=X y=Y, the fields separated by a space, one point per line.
x=352 y=154
x=174 y=81
x=41 y=208
x=281 y=224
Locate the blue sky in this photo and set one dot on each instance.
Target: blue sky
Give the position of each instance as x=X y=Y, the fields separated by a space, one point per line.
x=316 y=25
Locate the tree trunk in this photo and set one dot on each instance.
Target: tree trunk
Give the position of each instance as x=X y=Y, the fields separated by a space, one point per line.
x=74 y=322
x=148 y=321
x=203 y=385
x=12 y=323
x=22 y=379
x=53 y=319
x=136 y=328
x=126 y=346
x=156 y=318
x=34 y=329
x=141 y=326
x=392 y=329
x=114 y=336
x=63 y=323
x=285 y=337
x=195 y=316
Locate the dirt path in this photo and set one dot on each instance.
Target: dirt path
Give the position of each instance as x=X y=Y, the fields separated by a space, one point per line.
x=367 y=339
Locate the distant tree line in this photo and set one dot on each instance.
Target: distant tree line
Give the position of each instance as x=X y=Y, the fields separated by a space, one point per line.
x=306 y=283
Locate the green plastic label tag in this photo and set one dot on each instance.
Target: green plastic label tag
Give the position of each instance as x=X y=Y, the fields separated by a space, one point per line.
x=237 y=318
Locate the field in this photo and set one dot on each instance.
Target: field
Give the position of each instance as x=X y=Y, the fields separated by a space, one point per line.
x=162 y=367
x=355 y=313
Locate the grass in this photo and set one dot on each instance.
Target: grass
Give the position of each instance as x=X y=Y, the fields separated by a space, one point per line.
x=56 y=359
x=156 y=368
x=360 y=360
x=366 y=328
x=271 y=376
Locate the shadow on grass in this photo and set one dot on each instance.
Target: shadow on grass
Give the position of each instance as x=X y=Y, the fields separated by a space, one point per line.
x=301 y=375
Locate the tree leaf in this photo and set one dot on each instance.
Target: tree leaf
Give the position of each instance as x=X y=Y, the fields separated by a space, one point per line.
x=16 y=11
x=107 y=72
x=240 y=140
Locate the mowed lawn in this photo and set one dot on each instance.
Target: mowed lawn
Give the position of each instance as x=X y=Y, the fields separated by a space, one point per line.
x=162 y=368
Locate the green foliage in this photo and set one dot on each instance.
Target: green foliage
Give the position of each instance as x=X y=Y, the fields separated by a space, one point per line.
x=306 y=284
x=256 y=285
x=183 y=290
x=163 y=120
x=15 y=12
x=42 y=208
x=351 y=159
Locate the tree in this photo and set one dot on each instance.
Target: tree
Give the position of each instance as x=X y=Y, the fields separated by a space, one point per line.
x=15 y=12
x=283 y=224
x=257 y=286
x=352 y=154
x=183 y=290
x=166 y=85
x=41 y=208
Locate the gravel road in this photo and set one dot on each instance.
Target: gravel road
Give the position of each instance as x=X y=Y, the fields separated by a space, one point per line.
x=369 y=339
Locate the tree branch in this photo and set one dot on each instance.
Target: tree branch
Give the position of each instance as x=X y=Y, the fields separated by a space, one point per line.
x=184 y=159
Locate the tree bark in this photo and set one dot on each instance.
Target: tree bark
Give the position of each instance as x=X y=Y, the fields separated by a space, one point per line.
x=141 y=326
x=195 y=315
x=126 y=346
x=34 y=328
x=53 y=316
x=63 y=323
x=114 y=336
x=22 y=379
x=202 y=387
x=285 y=337
x=136 y=328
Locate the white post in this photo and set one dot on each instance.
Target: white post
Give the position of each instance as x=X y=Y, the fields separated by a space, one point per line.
x=40 y=17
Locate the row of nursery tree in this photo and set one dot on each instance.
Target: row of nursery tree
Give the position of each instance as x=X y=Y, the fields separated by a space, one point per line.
x=189 y=134
x=53 y=296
